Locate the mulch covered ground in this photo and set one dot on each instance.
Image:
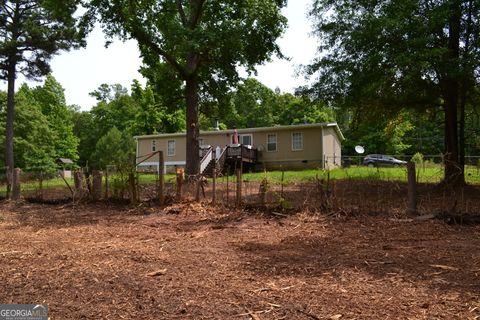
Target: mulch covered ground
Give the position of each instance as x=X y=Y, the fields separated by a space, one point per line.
x=189 y=261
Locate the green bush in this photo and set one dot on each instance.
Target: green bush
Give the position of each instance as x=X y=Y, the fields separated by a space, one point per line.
x=417 y=158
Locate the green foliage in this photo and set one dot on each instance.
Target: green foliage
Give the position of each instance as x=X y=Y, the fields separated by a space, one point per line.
x=33 y=146
x=114 y=148
x=51 y=99
x=395 y=131
x=152 y=116
x=252 y=104
x=87 y=132
x=32 y=31
x=380 y=57
x=417 y=158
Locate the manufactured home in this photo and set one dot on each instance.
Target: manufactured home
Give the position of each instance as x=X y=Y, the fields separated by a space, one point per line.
x=289 y=147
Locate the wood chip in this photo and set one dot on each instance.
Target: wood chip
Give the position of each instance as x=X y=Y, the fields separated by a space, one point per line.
x=443 y=267
x=336 y=317
x=159 y=272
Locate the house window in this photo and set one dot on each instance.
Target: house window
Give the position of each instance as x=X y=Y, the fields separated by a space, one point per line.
x=154 y=145
x=297 y=141
x=246 y=139
x=271 y=142
x=171 y=148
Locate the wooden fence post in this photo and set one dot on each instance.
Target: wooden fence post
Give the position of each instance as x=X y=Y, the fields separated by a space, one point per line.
x=133 y=188
x=263 y=191
x=78 y=181
x=97 y=185
x=412 y=188
x=106 y=183
x=40 y=186
x=16 y=187
x=161 y=182
x=228 y=190
x=239 y=186
x=179 y=172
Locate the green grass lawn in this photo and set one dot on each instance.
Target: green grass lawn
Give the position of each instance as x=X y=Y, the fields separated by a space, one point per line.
x=424 y=175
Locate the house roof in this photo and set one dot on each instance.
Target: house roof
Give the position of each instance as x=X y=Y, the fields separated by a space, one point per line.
x=250 y=130
x=64 y=161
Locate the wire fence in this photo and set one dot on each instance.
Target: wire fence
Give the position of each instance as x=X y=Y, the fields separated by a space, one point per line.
x=355 y=188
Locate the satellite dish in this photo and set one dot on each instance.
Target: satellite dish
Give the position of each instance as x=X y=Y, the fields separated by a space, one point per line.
x=359 y=149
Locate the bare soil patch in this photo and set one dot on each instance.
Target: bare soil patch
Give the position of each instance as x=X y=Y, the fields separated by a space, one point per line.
x=191 y=261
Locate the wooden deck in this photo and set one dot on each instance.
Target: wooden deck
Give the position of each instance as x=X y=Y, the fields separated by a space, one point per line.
x=234 y=153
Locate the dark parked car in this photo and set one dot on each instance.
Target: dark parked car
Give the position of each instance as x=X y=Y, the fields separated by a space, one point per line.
x=381 y=160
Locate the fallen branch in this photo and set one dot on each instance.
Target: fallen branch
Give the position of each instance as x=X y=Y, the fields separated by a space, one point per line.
x=68 y=185
x=279 y=214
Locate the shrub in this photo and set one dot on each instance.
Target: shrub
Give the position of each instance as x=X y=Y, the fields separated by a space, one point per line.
x=417 y=158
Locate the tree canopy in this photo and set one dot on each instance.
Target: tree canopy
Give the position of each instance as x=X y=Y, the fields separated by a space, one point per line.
x=202 y=42
x=385 y=56
x=31 y=32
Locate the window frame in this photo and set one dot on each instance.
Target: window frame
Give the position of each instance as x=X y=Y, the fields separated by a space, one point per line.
x=240 y=138
x=168 y=148
x=268 y=143
x=293 y=141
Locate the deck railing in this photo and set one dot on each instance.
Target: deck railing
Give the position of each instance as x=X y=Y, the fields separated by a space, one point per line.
x=242 y=151
x=206 y=159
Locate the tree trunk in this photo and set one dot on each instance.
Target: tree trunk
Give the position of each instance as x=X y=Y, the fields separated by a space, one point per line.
x=463 y=90
x=193 y=159
x=9 y=162
x=461 y=133
x=453 y=170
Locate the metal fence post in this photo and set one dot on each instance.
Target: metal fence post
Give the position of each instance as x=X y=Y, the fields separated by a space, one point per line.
x=239 y=186
x=214 y=177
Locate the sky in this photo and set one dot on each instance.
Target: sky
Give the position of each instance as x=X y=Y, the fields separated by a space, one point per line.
x=82 y=71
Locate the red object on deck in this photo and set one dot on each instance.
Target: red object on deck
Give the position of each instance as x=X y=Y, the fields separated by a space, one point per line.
x=235 y=136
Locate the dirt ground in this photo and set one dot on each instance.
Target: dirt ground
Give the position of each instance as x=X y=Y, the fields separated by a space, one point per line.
x=190 y=261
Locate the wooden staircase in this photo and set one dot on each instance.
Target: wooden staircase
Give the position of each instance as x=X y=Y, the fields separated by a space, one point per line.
x=230 y=153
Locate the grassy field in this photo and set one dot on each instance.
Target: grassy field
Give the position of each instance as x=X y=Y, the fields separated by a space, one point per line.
x=424 y=175
x=432 y=174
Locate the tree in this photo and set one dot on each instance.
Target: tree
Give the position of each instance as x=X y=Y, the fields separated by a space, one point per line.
x=298 y=109
x=51 y=99
x=31 y=32
x=253 y=105
x=115 y=108
x=33 y=136
x=87 y=132
x=114 y=148
x=203 y=42
x=385 y=56
x=153 y=116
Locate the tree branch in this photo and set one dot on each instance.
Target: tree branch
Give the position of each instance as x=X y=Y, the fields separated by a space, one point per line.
x=197 y=13
x=143 y=38
x=132 y=22
x=181 y=12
